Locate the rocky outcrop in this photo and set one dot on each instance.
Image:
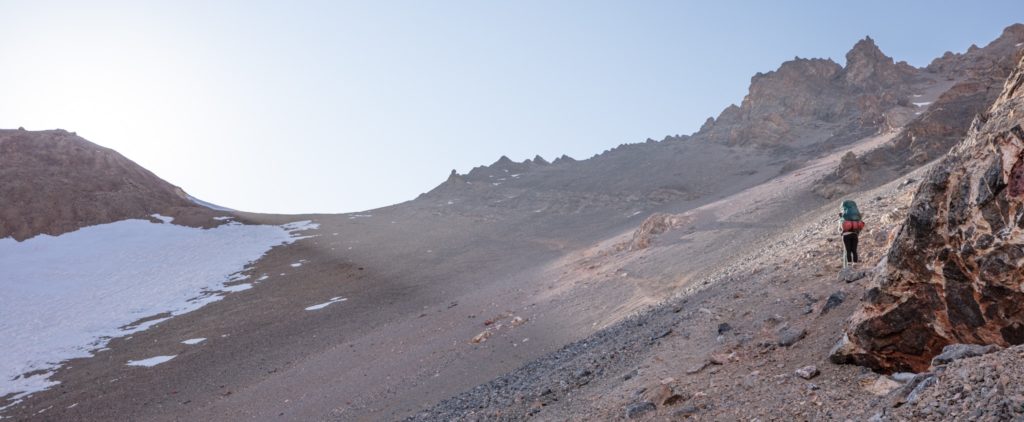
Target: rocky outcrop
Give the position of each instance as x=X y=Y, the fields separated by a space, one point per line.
x=868 y=68
x=979 y=62
x=980 y=73
x=954 y=273
x=53 y=182
x=653 y=226
x=804 y=96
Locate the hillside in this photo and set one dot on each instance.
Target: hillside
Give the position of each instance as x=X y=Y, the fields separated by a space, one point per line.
x=54 y=182
x=754 y=340
x=684 y=277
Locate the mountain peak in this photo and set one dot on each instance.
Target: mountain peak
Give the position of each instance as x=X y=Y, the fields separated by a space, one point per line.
x=867 y=66
x=865 y=51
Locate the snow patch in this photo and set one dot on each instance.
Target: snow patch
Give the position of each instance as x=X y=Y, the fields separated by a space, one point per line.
x=922 y=104
x=150 y=362
x=355 y=216
x=236 y=288
x=208 y=205
x=325 y=304
x=193 y=341
x=65 y=297
x=163 y=218
x=223 y=217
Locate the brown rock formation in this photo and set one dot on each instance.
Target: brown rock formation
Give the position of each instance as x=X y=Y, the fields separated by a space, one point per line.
x=954 y=273
x=653 y=226
x=979 y=73
x=808 y=94
x=55 y=182
x=979 y=62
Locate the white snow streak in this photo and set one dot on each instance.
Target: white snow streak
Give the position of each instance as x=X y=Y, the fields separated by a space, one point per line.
x=324 y=305
x=150 y=362
x=192 y=341
x=163 y=218
x=214 y=207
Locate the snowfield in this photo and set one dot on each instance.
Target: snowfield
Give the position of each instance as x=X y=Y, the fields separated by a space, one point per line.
x=64 y=297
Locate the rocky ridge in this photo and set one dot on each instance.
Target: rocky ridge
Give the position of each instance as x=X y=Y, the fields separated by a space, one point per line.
x=802 y=111
x=974 y=78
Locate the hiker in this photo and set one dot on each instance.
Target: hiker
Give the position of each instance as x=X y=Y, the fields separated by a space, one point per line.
x=850 y=225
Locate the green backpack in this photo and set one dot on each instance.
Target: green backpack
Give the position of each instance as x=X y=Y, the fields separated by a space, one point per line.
x=850 y=211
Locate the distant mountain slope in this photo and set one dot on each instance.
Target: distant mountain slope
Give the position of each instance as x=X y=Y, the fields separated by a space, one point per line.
x=802 y=111
x=53 y=182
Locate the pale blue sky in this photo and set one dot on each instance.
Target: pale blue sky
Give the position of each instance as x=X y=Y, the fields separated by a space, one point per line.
x=343 y=106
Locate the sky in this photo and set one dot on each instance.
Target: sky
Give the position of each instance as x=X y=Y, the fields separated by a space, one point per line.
x=335 y=106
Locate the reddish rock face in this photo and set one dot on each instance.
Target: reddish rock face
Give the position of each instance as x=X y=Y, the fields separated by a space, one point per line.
x=788 y=104
x=954 y=273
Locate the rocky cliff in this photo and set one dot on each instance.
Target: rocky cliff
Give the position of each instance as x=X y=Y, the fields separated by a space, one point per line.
x=53 y=182
x=976 y=78
x=954 y=273
x=815 y=98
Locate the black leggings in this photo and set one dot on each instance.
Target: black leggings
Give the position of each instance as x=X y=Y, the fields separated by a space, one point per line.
x=850 y=244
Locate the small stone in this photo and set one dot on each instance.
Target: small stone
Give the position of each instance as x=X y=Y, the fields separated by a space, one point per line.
x=698 y=368
x=881 y=386
x=720 y=358
x=686 y=411
x=724 y=328
x=789 y=336
x=954 y=352
x=849 y=275
x=482 y=337
x=903 y=377
x=629 y=375
x=808 y=372
x=658 y=393
x=834 y=300
x=662 y=334
x=637 y=410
